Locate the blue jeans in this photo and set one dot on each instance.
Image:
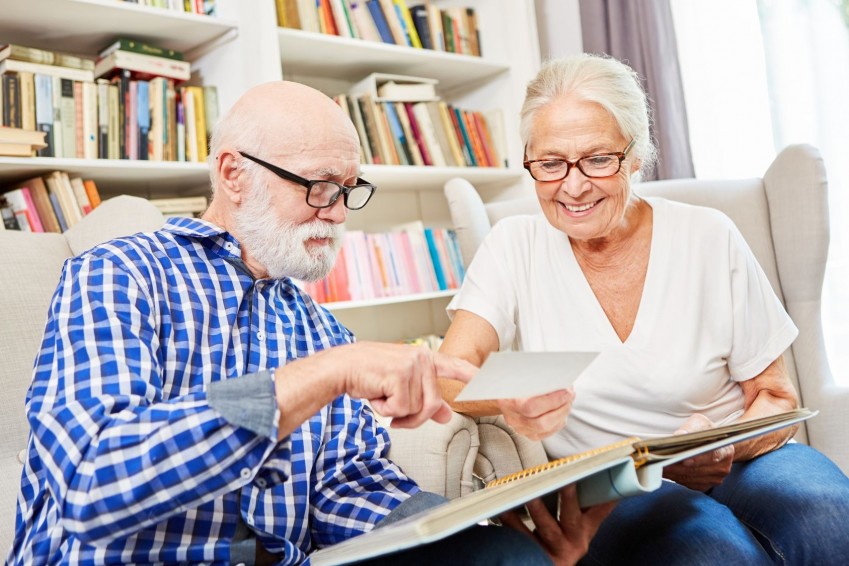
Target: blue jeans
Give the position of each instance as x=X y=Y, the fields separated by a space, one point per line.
x=475 y=546
x=786 y=507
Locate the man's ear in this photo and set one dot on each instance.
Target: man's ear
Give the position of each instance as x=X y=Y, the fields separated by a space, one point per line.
x=231 y=174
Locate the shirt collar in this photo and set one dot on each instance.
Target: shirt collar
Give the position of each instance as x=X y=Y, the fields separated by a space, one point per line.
x=219 y=239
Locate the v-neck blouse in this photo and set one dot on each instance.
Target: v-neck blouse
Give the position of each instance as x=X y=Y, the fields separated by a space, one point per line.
x=707 y=319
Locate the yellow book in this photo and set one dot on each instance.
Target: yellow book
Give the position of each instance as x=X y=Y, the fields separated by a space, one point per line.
x=407 y=20
x=200 y=122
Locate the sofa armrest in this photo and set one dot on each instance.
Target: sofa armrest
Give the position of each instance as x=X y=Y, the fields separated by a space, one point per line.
x=439 y=457
x=503 y=451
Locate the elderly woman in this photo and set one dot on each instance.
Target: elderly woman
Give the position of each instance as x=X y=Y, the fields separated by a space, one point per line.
x=690 y=332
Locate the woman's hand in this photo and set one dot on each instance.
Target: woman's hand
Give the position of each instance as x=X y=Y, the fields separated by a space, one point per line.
x=706 y=470
x=538 y=417
x=567 y=538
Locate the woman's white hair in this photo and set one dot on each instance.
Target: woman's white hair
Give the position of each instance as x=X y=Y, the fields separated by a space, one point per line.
x=609 y=83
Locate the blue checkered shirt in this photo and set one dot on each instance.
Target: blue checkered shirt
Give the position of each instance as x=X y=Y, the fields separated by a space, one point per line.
x=154 y=424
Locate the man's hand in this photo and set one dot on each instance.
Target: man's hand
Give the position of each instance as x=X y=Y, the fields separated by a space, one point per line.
x=565 y=539
x=706 y=470
x=538 y=417
x=399 y=381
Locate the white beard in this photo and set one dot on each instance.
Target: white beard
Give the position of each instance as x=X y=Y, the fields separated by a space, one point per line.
x=279 y=245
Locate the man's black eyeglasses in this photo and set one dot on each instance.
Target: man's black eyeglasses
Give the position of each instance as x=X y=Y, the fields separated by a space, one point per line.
x=593 y=166
x=322 y=194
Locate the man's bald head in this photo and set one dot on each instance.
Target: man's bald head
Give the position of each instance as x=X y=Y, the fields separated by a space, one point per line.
x=284 y=118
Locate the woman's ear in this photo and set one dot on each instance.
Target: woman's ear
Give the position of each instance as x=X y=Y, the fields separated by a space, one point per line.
x=635 y=166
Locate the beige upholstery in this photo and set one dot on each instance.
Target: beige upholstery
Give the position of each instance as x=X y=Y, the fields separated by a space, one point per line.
x=439 y=457
x=31 y=267
x=784 y=218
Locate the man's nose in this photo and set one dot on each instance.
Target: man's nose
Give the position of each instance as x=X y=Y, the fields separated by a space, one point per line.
x=336 y=212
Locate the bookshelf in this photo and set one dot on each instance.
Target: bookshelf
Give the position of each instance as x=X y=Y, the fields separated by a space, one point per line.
x=85 y=26
x=242 y=47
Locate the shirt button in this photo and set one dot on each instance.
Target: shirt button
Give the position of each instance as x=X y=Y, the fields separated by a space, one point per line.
x=260 y=483
x=249 y=520
x=229 y=246
x=240 y=564
x=260 y=335
x=22 y=456
x=245 y=473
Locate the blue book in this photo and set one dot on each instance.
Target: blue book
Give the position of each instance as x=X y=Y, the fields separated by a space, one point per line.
x=54 y=201
x=467 y=143
x=380 y=21
x=44 y=112
x=419 y=15
x=398 y=137
x=456 y=256
x=143 y=116
x=434 y=258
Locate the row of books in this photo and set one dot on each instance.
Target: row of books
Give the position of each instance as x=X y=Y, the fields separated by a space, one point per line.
x=389 y=264
x=51 y=203
x=123 y=118
x=135 y=109
x=425 y=133
x=206 y=7
x=423 y=26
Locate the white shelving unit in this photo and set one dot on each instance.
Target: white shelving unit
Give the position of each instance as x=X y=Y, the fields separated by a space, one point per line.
x=84 y=27
x=243 y=47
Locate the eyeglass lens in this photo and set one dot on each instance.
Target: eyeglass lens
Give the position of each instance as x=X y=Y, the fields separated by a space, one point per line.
x=322 y=194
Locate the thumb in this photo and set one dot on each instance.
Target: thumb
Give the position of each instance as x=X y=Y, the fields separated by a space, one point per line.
x=449 y=367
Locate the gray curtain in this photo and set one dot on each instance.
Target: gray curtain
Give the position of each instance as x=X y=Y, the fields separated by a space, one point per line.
x=641 y=34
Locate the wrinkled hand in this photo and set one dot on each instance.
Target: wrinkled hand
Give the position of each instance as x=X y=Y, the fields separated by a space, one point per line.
x=400 y=381
x=566 y=539
x=538 y=417
x=706 y=470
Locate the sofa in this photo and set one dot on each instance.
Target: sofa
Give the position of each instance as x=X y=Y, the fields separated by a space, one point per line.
x=784 y=218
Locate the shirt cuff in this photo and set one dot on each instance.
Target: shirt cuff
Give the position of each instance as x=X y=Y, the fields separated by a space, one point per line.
x=247 y=401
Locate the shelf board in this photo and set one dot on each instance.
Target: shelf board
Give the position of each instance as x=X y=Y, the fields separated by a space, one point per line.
x=140 y=177
x=112 y=175
x=347 y=305
x=416 y=178
x=86 y=26
x=315 y=54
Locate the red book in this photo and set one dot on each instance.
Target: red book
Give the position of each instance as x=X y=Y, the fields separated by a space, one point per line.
x=417 y=133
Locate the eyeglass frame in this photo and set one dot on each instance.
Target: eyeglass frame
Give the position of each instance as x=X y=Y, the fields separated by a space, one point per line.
x=308 y=183
x=570 y=164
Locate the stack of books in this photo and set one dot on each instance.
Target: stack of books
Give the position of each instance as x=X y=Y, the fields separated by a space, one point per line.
x=17 y=142
x=190 y=207
x=128 y=104
x=52 y=203
x=424 y=26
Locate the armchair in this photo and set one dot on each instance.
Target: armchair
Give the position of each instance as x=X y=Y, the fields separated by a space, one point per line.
x=784 y=218
x=439 y=457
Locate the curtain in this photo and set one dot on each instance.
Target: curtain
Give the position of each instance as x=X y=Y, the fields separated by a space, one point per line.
x=641 y=34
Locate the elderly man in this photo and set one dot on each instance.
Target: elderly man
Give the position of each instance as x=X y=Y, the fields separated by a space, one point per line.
x=190 y=404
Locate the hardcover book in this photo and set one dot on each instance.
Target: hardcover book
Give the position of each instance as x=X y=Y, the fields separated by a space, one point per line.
x=622 y=469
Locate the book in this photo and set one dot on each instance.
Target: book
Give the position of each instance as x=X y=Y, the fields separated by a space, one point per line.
x=13 y=66
x=385 y=87
x=44 y=57
x=20 y=135
x=125 y=44
x=142 y=66
x=621 y=469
